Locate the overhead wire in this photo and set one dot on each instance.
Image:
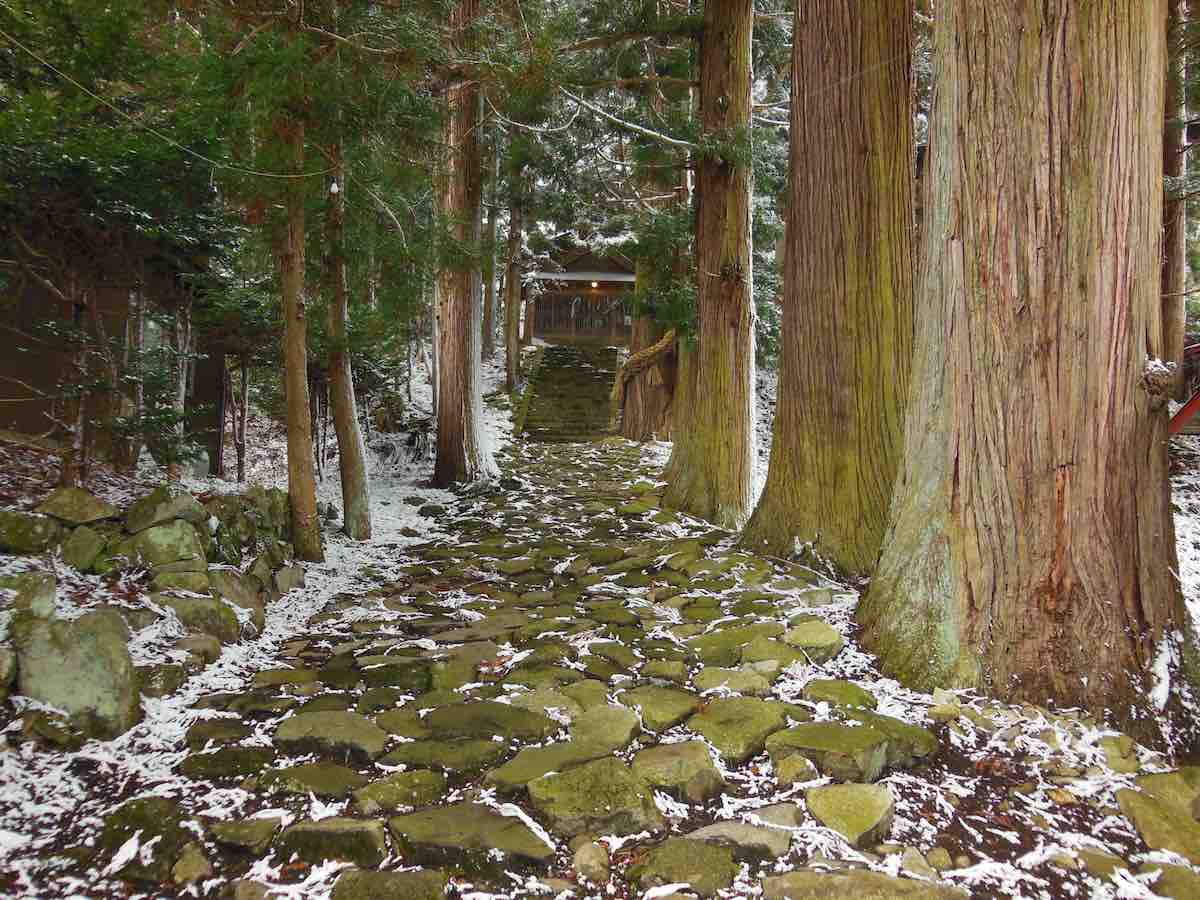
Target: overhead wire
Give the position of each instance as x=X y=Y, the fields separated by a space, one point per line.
x=258 y=173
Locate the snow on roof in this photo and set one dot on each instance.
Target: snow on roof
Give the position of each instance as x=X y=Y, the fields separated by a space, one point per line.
x=626 y=277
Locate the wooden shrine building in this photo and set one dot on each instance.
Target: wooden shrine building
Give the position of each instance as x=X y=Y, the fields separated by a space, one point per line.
x=584 y=301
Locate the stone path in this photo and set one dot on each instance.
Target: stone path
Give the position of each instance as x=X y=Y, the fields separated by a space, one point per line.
x=583 y=694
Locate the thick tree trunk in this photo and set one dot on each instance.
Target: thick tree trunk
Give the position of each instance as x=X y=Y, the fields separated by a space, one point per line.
x=847 y=297
x=302 y=485
x=489 y=262
x=1174 y=269
x=1031 y=548
x=462 y=451
x=712 y=466
x=512 y=300
x=352 y=465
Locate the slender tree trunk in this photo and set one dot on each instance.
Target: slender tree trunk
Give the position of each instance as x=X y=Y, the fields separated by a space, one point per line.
x=239 y=440
x=182 y=335
x=489 y=260
x=72 y=465
x=1030 y=552
x=356 y=503
x=711 y=472
x=512 y=299
x=126 y=403
x=462 y=453
x=1174 y=267
x=302 y=485
x=847 y=297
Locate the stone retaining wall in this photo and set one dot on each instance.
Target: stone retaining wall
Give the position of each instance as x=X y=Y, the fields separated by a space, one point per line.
x=213 y=564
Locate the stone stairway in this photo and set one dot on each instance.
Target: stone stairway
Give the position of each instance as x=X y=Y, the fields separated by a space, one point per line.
x=570 y=391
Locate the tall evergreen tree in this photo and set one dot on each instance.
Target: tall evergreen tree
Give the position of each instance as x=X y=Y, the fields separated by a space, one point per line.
x=848 y=320
x=710 y=473
x=462 y=452
x=1031 y=552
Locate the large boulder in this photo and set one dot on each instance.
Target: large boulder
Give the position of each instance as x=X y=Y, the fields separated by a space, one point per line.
x=80 y=666
x=27 y=533
x=75 y=506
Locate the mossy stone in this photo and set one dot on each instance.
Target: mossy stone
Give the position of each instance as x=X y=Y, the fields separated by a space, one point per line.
x=839 y=693
x=534 y=762
x=861 y=813
x=323 y=779
x=839 y=751
x=487 y=718
x=466 y=757
x=342 y=734
x=359 y=884
x=419 y=787
x=148 y=818
x=738 y=727
x=467 y=827
x=705 y=868
x=361 y=841
x=251 y=835
x=661 y=707
x=684 y=770
x=227 y=762
x=602 y=797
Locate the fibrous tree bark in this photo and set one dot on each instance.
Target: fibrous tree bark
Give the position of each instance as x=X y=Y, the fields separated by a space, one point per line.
x=352 y=466
x=1174 y=266
x=512 y=298
x=489 y=261
x=847 y=302
x=302 y=483
x=1030 y=551
x=462 y=453
x=710 y=473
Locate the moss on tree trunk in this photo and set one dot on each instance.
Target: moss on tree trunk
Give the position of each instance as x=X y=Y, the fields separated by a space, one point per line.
x=1031 y=548
x=847 y=303
x=710 y=473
